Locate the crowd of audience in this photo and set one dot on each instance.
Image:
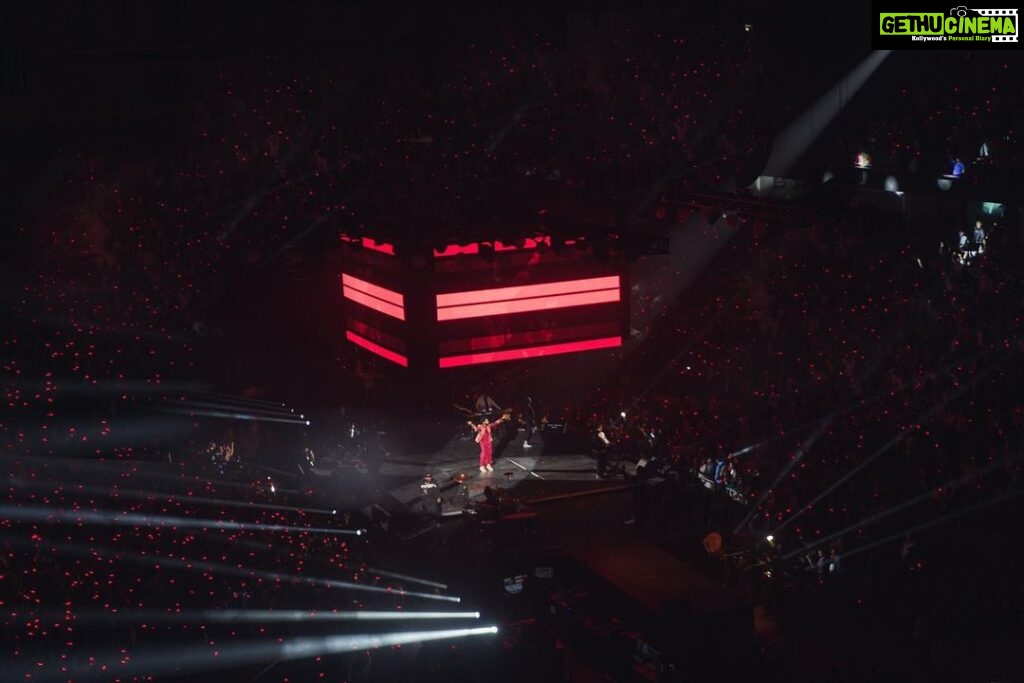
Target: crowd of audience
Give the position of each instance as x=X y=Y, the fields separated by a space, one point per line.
x=77 y=593
x=855 y=396
x=940 y=122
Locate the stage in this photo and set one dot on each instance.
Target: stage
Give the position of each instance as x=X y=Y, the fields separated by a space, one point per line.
x=535 y=473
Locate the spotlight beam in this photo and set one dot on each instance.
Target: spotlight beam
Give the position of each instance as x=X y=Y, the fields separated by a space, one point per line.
x=798 y=136
x=241 y=400
x=92 y=552
x=804 y=448
x=938 y=408
x=164 y=662
x=264 y=468
x=237 y=616
x=46 y=515
x=963 y=512
x=232 y=416
x=182 y=479
x=888 y=393
x=253 y=410
x=145 y=495
x=905 y=505
x=404 y=577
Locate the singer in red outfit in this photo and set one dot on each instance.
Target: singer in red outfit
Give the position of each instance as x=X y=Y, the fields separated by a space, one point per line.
x=483 y=437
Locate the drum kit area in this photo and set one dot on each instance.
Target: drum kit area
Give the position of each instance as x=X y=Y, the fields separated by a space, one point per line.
x=355 y=447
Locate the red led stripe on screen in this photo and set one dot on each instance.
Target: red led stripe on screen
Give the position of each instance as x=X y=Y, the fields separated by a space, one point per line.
x=373 y=290
x=544 y=303
x=374 y=303
x=529 y=352
x=375 y=335
x=526 y=338
x=482 y=296
x=377 y=349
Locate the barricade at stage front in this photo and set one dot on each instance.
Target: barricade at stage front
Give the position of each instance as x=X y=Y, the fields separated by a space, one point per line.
x=450 y=306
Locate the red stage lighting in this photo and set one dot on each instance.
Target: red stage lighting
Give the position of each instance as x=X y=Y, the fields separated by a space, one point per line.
x=529 y=352
x=377 y=349
x=545 y=303
x=545 y=297
x=445 y=306
x=373 y=296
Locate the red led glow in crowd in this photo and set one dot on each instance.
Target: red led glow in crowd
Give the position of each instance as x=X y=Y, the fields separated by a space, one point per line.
x=377 y=349
x=545 y=297
x=373 y=296
x=529 y=352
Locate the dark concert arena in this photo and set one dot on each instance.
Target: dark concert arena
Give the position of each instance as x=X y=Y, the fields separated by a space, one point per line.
x=615 y=341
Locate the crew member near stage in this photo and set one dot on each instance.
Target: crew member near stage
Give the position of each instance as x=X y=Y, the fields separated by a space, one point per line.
x=431 y=495
x=483 y=437
x=600 y=445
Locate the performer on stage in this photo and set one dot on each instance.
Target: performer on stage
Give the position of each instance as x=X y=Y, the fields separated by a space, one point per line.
x=483 y=437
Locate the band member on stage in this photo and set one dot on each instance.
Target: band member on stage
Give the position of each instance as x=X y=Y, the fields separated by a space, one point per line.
x=529 y=421
x=483 y=437
x=485 y=405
